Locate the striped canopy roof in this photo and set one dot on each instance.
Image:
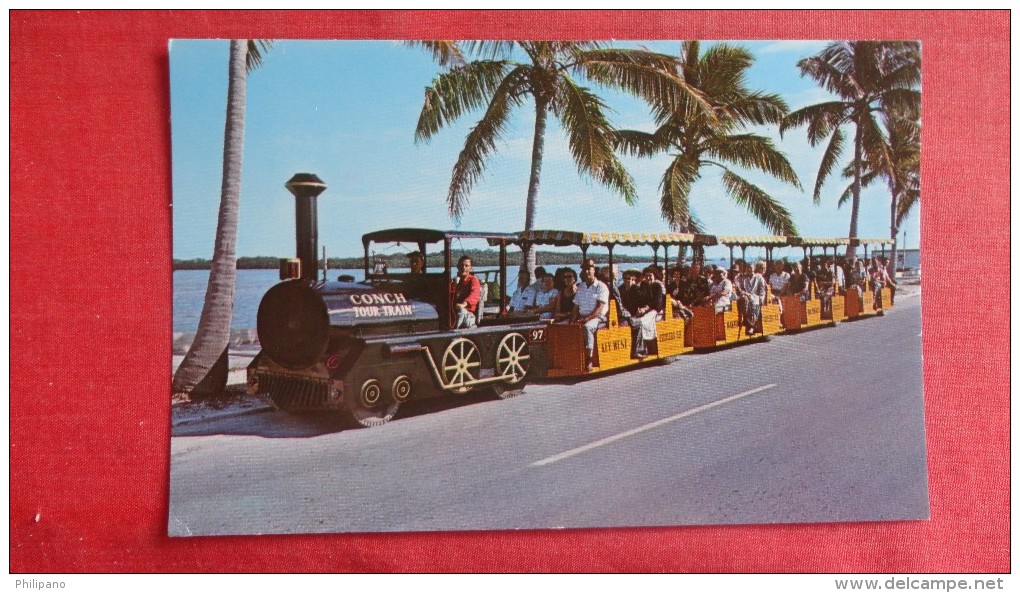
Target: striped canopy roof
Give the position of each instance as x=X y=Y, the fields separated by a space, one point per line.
x=754 y=240
x=547 y=237
x=830 y=242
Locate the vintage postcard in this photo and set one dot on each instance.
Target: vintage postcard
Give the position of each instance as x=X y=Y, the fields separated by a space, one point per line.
x=481 y=285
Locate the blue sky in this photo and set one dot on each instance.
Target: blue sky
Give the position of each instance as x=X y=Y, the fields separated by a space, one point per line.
x=347 y=110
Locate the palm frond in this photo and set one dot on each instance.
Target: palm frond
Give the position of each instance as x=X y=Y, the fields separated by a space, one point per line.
x=820 y=118
x=257 y=48
x=904 y=103
x=908 y=200
x=491 y=49
x=457 y=91
x=769 y=211
x=832 y=153
x=828 y=74
x=635 y=143
x=588 y=135
x=481 y=142
x=675 y=188
x=757 y=108
x=444 y=52
x=753 y=152
x=646 y=75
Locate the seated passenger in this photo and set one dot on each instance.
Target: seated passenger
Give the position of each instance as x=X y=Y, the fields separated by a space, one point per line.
x=751 y=286
x=879 y=279
x=799 y=285
x=605 y=274
x=678 y=274
x=564 y=307
x=720 y=291
x=591 y=302
x=694 y=287
x=648 y=311
x=466 y=295
x=778 y=280
x=859 y=278
x=632 y=298
x=545 y=299
x=825 y=284
x=523 y=299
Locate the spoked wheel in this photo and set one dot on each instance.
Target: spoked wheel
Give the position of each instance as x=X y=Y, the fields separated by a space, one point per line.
x=372 y=407
x=513 y=357
x=461 y=363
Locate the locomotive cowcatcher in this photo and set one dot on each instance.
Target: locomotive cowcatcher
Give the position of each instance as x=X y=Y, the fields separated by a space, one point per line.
x=363 y=348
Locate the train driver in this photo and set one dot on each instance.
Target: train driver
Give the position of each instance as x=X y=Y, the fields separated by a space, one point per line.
x=467 y=294
x=590 y=306
x=416 y=261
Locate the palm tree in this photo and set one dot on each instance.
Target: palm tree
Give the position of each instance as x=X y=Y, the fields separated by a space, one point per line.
x=698 y=140
x=870 y=79
x=549 y=76
x=901 y=172
x=203 y=372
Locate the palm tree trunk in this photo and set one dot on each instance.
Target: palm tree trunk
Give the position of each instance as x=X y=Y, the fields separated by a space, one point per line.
x=893 y=231
x=856 y=204
x=203 y=371
x=537 y=148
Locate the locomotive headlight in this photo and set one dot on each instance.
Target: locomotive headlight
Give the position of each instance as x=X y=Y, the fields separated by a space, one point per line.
x=336 y=390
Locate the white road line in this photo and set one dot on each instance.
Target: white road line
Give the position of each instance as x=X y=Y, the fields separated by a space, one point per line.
x=648 y=426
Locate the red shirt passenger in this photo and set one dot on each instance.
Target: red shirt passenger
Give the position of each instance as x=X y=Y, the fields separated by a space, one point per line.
x=467 y=294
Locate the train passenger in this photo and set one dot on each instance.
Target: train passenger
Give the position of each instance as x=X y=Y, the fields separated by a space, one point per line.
x=605 y=274
x=721 y=290
x=648 y=311
x=839 y=277
x=800 y=284
x=750 y=286
x=539 y=275
x=673 y=293
x=778 y=280
x=466 y=295
x=859 y=278
x=591 y=303
x=825 y=284
x=879 y=279
x=694 y=287
x=633 y=298
x=545 y=299
x=523 y=299
x=416 y=261
x=884 y=261
x=568 y=289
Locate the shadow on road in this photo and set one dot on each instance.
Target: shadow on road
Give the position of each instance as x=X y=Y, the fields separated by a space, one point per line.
x=275 y=424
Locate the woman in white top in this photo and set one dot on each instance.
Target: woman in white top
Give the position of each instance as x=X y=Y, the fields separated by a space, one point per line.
x=778 y=280
x=720 y=291
x=545 y=298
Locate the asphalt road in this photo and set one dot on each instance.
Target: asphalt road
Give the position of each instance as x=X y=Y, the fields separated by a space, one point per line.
x=822 y=426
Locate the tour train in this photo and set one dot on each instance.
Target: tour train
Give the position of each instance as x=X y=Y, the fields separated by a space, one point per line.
x=363 y=348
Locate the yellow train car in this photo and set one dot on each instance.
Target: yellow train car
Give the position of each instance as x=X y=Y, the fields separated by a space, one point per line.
x=614 y=343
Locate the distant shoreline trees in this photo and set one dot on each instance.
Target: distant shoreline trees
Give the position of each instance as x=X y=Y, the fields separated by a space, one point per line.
x=480 y=257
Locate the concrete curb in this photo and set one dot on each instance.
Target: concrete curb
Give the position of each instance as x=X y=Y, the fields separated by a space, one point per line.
x=219 y=415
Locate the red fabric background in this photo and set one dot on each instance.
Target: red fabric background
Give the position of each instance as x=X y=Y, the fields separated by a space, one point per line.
x=90 y=194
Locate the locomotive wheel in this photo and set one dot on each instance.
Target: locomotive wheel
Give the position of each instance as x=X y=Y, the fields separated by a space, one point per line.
x=401 y=388
x=513 y=357
x=461 y=362
x=372 y=407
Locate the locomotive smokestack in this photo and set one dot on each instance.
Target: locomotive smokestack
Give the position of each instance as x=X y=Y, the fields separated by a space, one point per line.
x=306 y=187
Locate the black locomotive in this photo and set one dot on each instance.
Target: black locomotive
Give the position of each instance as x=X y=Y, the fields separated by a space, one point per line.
x=363 y=348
